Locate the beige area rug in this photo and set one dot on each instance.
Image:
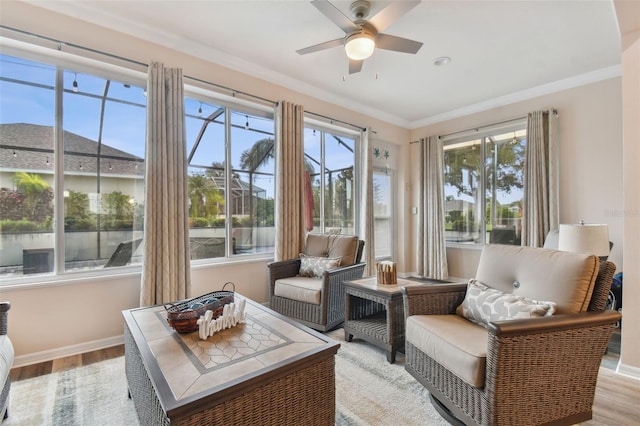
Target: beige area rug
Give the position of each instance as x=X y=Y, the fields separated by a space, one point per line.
x=369 y=391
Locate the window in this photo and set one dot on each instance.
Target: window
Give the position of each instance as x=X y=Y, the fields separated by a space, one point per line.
x=483 y=187
x=383 y=213
x=77 y=168
x=329 y=159
x=231 y=209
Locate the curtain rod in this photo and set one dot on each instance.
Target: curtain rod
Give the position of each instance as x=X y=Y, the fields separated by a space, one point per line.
x=364 y=129
x=479 y=128
x=60 y=44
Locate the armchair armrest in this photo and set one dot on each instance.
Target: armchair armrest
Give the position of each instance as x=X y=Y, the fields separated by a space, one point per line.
x=438 y=299
x=333 y=290
x=282 y=269
x=4 y=316
x=559 y=354
x=554 y=323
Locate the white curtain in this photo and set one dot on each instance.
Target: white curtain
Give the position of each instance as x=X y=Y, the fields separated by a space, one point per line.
x=432 y=251
x=541 y=180
x=366 y=204
x=166 y=274
x=290 y=198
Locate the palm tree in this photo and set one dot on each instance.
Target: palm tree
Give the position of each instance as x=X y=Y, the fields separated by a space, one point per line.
x=33 y=185
x=204 y=196
x=258 y=155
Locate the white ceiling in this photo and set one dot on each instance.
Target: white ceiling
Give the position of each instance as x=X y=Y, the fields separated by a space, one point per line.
x=502 y=51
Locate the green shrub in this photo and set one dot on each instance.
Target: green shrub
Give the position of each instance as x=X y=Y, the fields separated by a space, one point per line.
x=198 y=222
x=79 y=224
x=216 y=222
x=22 y=225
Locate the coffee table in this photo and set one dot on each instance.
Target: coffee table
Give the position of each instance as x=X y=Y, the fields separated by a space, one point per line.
x=269 y=370
x=375 y=312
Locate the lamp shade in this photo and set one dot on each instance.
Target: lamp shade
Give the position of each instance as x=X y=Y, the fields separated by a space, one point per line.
x=584 y=238
x=360 y=46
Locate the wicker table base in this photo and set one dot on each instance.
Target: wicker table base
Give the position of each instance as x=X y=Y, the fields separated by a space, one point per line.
x=375 y=312
x=268 y=371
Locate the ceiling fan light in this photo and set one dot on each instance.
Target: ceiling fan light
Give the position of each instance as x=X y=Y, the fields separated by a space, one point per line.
x=360 y=46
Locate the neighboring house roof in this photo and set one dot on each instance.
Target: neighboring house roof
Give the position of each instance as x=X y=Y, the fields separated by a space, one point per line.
x=29 y=147
x=458 y=205
x=33 y=146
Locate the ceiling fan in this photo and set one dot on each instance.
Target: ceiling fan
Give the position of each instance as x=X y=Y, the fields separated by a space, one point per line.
x=364 y=35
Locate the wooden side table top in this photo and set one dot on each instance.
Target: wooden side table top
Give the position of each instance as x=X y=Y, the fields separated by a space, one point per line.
x=371 y=284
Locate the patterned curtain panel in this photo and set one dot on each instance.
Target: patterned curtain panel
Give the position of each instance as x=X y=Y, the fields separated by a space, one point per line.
x=290 y=191
x=432 y=250
x=541 y=184
x=166 y=274
x=366 y=204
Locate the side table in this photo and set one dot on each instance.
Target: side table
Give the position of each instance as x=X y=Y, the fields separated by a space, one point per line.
x=375 y=312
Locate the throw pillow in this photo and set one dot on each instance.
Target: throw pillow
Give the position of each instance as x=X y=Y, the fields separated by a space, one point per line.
x=483 y=304
x=312 y=266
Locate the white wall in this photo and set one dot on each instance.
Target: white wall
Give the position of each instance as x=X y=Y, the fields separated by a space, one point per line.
x=628 y=13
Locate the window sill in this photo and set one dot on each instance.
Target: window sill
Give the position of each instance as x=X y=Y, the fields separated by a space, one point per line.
x=74 y=278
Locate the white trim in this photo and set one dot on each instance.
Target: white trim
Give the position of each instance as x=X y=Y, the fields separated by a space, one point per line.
x=101 y=67
x=628 y=371
x=80 y=348
x=523 y=95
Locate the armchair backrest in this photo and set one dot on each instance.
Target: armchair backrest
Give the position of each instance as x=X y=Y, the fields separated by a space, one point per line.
x=347 y=247
x=565 y=278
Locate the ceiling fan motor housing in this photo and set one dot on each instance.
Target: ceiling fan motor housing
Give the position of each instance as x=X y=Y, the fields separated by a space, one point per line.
x=360 y=9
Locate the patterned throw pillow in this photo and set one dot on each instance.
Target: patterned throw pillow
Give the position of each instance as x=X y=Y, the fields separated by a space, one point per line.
x=311 y=266
x=483 y=305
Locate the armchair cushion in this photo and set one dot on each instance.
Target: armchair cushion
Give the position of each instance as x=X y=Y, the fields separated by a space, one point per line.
x=302 y=289
x=333 y=245
x=311 y=266
x=566 y=278
x=483 y=304
x=455 y=343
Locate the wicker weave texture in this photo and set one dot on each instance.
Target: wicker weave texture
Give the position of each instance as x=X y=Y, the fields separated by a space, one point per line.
x=330 y=312
x=602 y=286
x=553 y=374
x=4 y=329
x=531 y=377
x=141 y=390
x=306 y=396
x=379 y=317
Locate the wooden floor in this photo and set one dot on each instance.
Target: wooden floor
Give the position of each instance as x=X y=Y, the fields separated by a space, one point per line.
x=66 y=363
x=616 y=402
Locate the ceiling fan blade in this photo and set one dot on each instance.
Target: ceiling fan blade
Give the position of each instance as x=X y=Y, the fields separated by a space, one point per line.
x=391 y=13
x=334 y=14
x=321 y=46
x=398 y=44
x=355 y=66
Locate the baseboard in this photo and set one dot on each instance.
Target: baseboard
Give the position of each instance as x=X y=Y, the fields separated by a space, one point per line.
x=628 y=370
x=49 y=355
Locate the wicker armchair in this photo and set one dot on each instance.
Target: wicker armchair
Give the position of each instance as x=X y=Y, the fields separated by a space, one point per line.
x=524 y=371
x=6 y=360
x=317 y=302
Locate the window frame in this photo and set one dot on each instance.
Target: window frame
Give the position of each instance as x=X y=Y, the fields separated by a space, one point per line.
x=332 y=129
x=481 y=133
x=392 y=213
x=231 y=105
x=63 y=61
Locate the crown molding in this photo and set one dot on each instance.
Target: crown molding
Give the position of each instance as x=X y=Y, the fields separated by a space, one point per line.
x=523 y=95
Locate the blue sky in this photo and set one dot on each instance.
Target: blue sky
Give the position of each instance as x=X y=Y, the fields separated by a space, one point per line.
x=124 y=123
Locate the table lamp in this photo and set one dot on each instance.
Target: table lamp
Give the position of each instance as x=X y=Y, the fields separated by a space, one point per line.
x=585 y=238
